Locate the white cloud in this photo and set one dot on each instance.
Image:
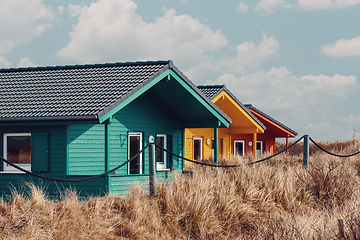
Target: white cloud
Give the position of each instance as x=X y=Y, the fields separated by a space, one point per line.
x=266 y=7
x=282 y=90
x=61 y=9
x=299 y=102
x=249 y=57
x=351 y=119
x=111 y=30
x=326 y=131
x=326 y=4
x=75 y=10
x=26 y=62
x=342 y=48
x=243 y=7
x=21 y=21
x=4 y=63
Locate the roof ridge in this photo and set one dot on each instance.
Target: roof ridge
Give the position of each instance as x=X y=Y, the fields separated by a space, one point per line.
x=250 y=106
x=84 y=66
x=216 y=85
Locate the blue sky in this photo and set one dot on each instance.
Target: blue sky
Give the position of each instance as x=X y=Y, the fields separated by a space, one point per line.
x=295 y=60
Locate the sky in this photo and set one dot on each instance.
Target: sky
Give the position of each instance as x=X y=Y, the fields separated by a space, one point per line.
x=295 y=60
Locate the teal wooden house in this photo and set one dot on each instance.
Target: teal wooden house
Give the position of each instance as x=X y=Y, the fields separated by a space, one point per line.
x=72 y=122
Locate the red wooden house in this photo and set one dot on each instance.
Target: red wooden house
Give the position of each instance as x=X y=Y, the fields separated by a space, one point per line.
x=242 y=143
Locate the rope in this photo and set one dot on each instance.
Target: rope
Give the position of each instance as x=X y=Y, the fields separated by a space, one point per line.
x=189 y=160
x=333 y=154
x=73 y=180
x=227 y=166
x=262 y=160
x=176 y=155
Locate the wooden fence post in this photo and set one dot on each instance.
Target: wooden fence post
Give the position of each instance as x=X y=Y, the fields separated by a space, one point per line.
x=306 y=151
x=341 y=229
x=152 y=169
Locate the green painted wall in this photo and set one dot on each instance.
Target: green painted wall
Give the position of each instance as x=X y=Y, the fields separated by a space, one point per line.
x=86 y=149
x=56 y=169
x=78 y=150
x=147 y=115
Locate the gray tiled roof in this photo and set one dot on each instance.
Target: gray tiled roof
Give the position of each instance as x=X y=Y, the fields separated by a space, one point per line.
x=211 y=91
x=69 y=91
x=79 y=92
x=250 y=106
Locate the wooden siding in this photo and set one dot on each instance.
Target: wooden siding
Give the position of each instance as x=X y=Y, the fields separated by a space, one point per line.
x=145 y=115
x=56 y=169
x=121 y=185
x=86 y=149
x=205 y=133
x=267 y=139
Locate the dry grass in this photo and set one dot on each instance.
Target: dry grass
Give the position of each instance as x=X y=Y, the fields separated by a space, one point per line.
x=277 y=199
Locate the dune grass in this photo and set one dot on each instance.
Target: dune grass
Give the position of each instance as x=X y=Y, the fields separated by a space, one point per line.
x=277 y=199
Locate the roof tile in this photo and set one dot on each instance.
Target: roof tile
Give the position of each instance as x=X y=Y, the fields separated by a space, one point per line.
x=70 y=90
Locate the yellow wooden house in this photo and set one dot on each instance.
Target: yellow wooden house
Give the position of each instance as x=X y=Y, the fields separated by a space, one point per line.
x=200 y=143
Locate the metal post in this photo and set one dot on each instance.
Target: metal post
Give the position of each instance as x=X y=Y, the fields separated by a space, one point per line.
x=341 y=229
x=152 y=169
x=306 y=151
x=216 y=145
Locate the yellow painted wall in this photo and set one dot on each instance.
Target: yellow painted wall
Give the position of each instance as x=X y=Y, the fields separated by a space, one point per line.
x=242 y=123
x=206 y=133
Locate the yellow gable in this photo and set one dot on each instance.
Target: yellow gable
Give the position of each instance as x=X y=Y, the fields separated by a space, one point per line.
x=241 y=120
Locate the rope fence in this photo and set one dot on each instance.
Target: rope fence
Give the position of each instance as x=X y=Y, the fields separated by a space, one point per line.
x=333 y=154
x=73 y=180
x=152 y=162
x=227 y=166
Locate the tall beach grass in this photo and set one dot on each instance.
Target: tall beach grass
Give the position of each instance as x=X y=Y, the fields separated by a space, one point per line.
x=276 y=199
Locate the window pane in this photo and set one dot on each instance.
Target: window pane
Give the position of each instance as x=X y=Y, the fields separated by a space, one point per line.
x=19 y=149
x=134 y=149
x=239 y=148
x=197 y=149
x=160 y=140
x=258 y=149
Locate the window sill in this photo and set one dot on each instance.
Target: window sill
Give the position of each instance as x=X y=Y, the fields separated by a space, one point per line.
x=163 y=170
x=13 y=172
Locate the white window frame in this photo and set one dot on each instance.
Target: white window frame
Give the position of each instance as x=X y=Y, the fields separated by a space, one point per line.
x=201 y=146
x=261 y=148
x=136 y=134
x=235 y=148
x=162 y=166
x=6 y=167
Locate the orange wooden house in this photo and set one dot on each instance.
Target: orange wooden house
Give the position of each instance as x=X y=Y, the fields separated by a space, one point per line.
x=200 y=143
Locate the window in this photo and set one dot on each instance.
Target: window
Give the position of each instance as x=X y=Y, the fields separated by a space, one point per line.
x=259 y=148
x=239 y=147
x=197 y=148
x=17 y=150
x=161 y=160
x=134 y=147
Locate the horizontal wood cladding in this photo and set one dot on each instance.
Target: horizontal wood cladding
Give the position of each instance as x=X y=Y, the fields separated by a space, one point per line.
x=56 y=163
x=146 y=116
x=121 y=185
x=55 y=190
x=86 y=149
